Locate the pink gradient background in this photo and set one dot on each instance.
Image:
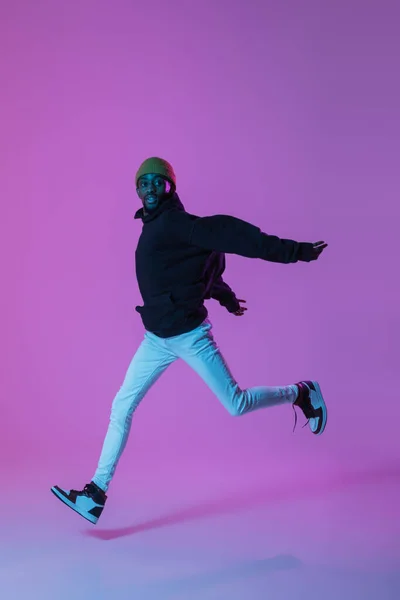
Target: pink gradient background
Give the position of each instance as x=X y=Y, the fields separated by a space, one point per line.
x=285 y=114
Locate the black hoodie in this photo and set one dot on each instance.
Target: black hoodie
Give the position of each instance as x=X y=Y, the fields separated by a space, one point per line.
x=180 y=259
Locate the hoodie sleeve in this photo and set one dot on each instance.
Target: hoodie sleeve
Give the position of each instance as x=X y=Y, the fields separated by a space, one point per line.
x=216 y=287
x=230 y=235
x=224 y=233
x=223 y=293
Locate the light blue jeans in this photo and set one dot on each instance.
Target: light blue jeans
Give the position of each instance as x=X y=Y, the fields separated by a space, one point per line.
x=199 y=350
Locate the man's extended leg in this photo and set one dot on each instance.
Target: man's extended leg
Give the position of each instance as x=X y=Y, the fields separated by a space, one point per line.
x=146 y=367
x=150 y=361
x=200 y=351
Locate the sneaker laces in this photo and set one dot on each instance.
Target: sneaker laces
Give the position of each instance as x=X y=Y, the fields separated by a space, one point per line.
x=295 y=419
x=308 y=411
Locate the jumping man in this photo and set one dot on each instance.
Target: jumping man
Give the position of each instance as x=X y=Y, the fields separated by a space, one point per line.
x=180 y=260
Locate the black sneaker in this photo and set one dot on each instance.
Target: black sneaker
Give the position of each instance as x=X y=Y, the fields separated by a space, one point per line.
x=89 y=502
x=311 y=402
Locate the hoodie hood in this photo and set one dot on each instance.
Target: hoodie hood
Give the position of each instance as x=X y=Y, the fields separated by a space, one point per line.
x=173 y=202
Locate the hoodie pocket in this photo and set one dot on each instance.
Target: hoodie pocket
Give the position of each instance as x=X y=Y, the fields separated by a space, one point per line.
x=161 y=313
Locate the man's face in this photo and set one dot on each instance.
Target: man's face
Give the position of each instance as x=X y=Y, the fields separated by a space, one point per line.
x=151 y=190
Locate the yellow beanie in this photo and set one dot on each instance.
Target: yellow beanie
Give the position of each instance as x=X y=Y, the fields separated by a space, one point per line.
x=156 y=166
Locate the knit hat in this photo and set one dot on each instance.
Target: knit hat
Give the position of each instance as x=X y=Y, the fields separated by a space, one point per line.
x=158 y=166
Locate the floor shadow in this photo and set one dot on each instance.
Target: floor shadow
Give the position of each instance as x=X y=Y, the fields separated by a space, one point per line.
x=229 y=574
x=254 y=498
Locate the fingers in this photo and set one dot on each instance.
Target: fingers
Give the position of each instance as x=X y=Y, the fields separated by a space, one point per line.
x=318 y=247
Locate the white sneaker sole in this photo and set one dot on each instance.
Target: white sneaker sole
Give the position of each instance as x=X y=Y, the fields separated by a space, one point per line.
x=317 y=400
x=74 y=507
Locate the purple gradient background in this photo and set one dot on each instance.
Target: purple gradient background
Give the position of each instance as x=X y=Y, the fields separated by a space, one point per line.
x=285 y=114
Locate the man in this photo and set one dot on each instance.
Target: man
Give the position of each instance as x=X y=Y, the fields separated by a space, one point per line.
x=180 y=259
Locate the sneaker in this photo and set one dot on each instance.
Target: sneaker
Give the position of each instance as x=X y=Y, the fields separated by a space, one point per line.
x=89 y=502
x=311 y=402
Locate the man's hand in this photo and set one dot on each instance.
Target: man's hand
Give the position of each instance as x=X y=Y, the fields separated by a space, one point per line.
x=311 y=252
x=240 y=312
x=318 y=247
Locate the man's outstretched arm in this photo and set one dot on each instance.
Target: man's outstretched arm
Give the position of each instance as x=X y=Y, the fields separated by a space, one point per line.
x=230 y=235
